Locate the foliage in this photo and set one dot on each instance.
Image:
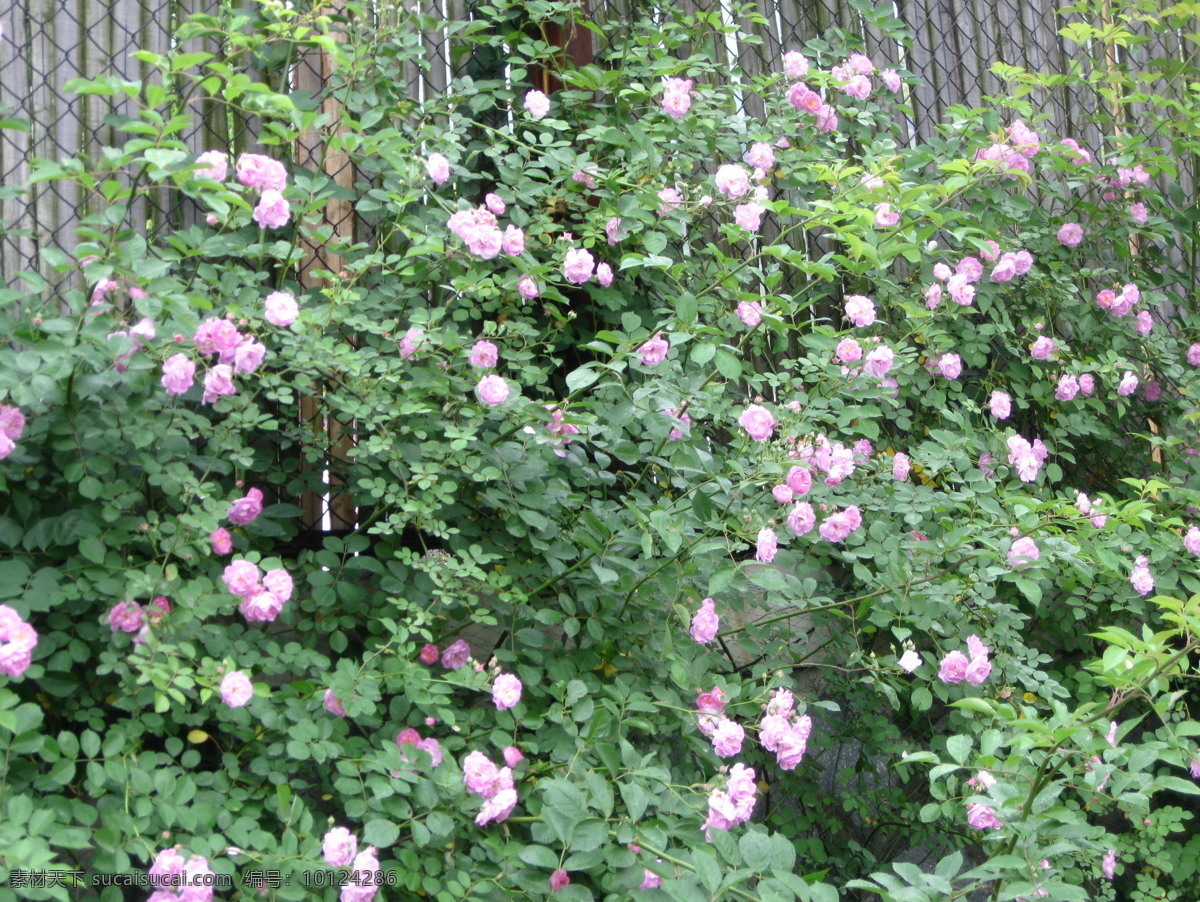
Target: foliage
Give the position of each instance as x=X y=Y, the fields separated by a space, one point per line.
x=570 y=531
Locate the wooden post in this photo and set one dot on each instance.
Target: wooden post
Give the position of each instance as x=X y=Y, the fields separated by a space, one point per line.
x=312 y=73
x=576 y=48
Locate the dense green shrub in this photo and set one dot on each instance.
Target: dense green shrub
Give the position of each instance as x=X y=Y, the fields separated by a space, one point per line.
x=760 y=402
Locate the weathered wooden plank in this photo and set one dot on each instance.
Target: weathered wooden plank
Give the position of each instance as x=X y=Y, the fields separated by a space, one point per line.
x=923 y=19
x=16 y=253
x=313 y=73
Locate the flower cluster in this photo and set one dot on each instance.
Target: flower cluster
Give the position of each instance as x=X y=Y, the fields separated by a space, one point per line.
x=17 y=641
x=1011 y=157
x=269 y=178
x=480 y=231
x=784 y=732
x=409 y=736
x=734 y=804
x=677 y=96
x=956 y=666
x=495 y=785
x=1026 y=458
x=263 y=596
x=141 y=331
x=178 y=879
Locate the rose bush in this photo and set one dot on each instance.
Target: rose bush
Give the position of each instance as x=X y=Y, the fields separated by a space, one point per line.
x=771 y=557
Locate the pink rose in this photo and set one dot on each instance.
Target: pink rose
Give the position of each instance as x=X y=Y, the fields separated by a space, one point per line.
x=215 y=165
x=950 y=365
x=749 y=216
x=794 y=64
x=1042 y=348
x=513 y=242
x=410 y=342
x=654 y=351
x=885 y=216
x=179 y=373
x=578 y=265
x=732 y=180
x=492 y=390
x=983 y=817
x=536 y=104
x=456 y=655
x=246 y=510
x=260 y=606
x=750 y=313
x=767 y=546
x=668 y=200
x=125 y=616
x=279 y=583
x=429 y=654
x=281 y=308
x=494 y=204
x=604 y=274
x=705 y=621
x=727 y=738
x=676 y=99
x=953 y=668
x=438 y=168
x=1070 y=234
x=236 y=689
x=222 y=541
x=758 y=422
x=218 y=382
x=613 y=229
x=527 y=287
x=333 y=704
x=1000 y=405
x=257 y=171
x=860 y=310
x=273 y=210
x=484 y=355
x=241 y=577
x=248 y=356
x=506 y=691
x=339 y=847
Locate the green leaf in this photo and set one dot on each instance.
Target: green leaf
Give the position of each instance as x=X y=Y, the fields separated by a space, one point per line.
x=1029 y=589
x=92 y=549
x=539 y=857
x=766 y=577
x=702 y=353
x=382 y=833
x=728 y=365
x=636 y=799
x=783 y=854
x=757 y=850
x=707 y=869
x=959 y=746
x=654 y=242
x=13 y=574
x=581 y=378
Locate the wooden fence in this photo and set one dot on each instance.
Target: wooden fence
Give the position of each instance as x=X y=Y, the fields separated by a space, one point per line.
x=46 y=43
